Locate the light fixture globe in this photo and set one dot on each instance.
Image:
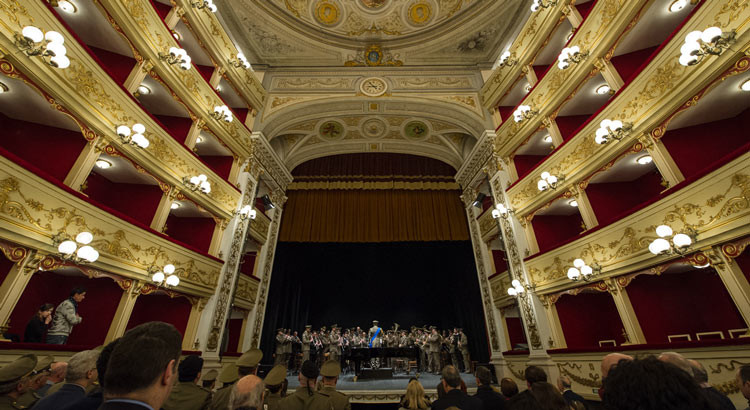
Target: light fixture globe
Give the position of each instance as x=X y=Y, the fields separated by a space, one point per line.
x=173 y=280
x=84 y=238
x=169 y=269
x=545 y=175
x=512 y=292
x=158 y=277
x=711 y=34
x=54 y=37
x=587 y=270
x=123 y=131
x=67 y=247
x=88 y=253
x=516 y=283
x=573 y=274
x=681 y=240
x=33 y=34
x=663 y=231
x=658 y=246
x=579 y=263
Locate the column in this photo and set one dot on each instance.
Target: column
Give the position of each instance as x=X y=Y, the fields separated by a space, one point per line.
x=216 y=239
x=627 y=314
x=244 y=340
x=557 y=340
x=251 y=116
x=504 y=322
x=137 y=75
x=497 y=120
x=15 y=283
x=83 y=165
x=610 y=74
x=173 y=17
x=584 y=207
x=130 y=293
x=191 y=330
x=663 y=160
x=511 y=168
x=162 y=211
x=530 y=74
x=194 y=132
x=216 y=77
x=235 y=170
x=554 y=131
x=722 y=259
x=574 y=17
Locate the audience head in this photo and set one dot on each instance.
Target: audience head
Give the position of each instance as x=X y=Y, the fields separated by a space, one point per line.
x=330 y=372
x=45 y=310
x=209 y=379
x=41 y=372
x=451 y=378
x=743 y=380
x=247 y=394
x=548 y=397
x=564 y=383
x=699 y=373
x=189 y=369
x=534 y=374
x=82 y=368
x=143 y=365
x=414 y=398
x=651 y=384
x=14 y=376
x=247 y=364
x=274 y=380
x=308 y=374
x=678 y=360
x=611 y=360
x=508 y=387
x=483 y=375
x=103 y=360
x=57 y=372
x=78 y=294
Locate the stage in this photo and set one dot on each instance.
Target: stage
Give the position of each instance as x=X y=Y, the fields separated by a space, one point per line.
x=386 y=390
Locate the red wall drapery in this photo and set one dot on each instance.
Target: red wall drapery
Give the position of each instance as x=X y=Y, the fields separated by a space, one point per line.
x=139 y=201
x=235 y=328
x=196 y=232
x=551 y=230
x=160 y=307
x=610 y=201
x=515 y=331
x=589 y=317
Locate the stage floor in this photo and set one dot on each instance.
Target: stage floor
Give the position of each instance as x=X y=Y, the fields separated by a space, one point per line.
x=397 y=384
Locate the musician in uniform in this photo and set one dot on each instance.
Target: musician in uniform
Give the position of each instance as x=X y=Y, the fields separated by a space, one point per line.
x=306 y=397
x=375 y=335
x=330 y=372
x=334 y=348
x=424 y=350
x=306 y=340
x=325 y=340
x=434 y=342
x=463 y=346
x=274 y=382
x=279 y=353
x=453 y=348
x=287 y=347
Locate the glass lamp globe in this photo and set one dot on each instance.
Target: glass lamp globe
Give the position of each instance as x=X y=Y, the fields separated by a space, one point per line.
x=512 y=292
x=139 y=128
x=495 y=213
x=158 y=277
x=123 y=131
x=711 y=34
x=658 y=246
x=573 y=274
x=681 y=240
x=88 y=253
x=169 y=269
x=542 y=185
x=693 y=36
x=519 y=289
x=67 y=247
x=663 y=231
x=54 y=37
x=84 y=238
x=515 y=283
x=587 y=270
x=173 y=280
x=32 y=33
x=545 y=175
x=60 y=61
x=579 y=263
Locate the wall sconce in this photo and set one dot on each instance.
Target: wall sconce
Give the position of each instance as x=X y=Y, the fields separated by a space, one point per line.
x=581 y=270
x=501 y=210
x=136 y=139
x=537 y=4
x=523 y=112
x=699 y=44
x=177 y=56
x=240 y=61
x=34 y=42
x=246 y=212
x=549 y=181
x=78 y=250
x=516 y=288
x=198 y=183
x=679 y=243
x=222 y=113
x=612 y=130
x=505 y=60
x=204 y=4
x=164 y=277
x=570 y=55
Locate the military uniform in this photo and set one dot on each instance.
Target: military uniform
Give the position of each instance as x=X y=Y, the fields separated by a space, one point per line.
x=463 y=346
x=339 y=401
x=374 y=331
x=188 y=396
x=280 y=348
x=334 y=349
x=16 y=371
x=434 y=341
x=306 y=340
x=40 y=373
x=227 y=377
x=304 y=399
x=273 y=381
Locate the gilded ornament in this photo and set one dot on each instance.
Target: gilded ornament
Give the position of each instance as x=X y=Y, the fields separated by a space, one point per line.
x=420 y=13
x=327 y=12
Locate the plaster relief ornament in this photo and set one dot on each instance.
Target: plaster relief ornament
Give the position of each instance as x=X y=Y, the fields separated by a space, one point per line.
x=416 y=130
x=327 y=13
x=420 y=13
x=373 y=87
x=374 y=128
x=331 y=130
x=373 y=4
x=373 y=56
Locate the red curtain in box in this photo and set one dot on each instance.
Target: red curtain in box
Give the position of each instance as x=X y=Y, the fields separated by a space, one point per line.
x=160 y=307
x=569 y=124
x=515 y=331
x=585 y=8
x=196 y=232
x=587 y=318
x=683 y=303
x=235 y=328
x=53 y=150
x=498 y=256
x=611 y=201
x=97 y=309
x=260 y=206
x=698 y=148
x=139 y=201
x=248 y=263
x=525 y=163
x=540 y=70
x=178 y=127
x=205 y=71
x=221 y=164
x=744 y=263
x=161 y=9
x=551 y=230
x=117 y=65
x=240 y=114
x=630 y=64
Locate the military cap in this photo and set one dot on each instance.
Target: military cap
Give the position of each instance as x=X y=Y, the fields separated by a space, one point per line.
x=43 y=364
x=276 y=375
x=334 y=326
x=280 y=330
x=210 y=376
x=229 y=374
x=15 y=370
x=322 y=328
x=309 y=370
x=308 y=326
x=331 y=368
x=251 y=358
x=375 y=321
x=433 y=327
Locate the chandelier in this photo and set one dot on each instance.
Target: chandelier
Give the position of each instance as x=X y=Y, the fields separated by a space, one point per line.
x=548 y=181
x=177 y=56
x=78 y=250
x=581 y=270
x=505 y=60
x=34 y=42
x=136 y=139
x=570 y=55
x=667 y=243
x=612 y=130
x=165 y=276
x=501 y=210
x=699 y=44
x=222 y=113
x=516 y=288
x=198 y=183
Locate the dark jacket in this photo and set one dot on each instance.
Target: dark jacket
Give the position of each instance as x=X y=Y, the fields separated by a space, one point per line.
x=491 y=400
x=458 y=399
x=523 y=401
x=67 y=395
x=721 y=401
x=570 y=396
x=92 y=401
x=122 y=406
x=35 y=330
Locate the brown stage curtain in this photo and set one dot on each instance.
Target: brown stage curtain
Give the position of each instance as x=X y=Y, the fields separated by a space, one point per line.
x=373 y=216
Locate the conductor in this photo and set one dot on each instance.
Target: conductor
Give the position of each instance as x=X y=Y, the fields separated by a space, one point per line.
x=375 y=335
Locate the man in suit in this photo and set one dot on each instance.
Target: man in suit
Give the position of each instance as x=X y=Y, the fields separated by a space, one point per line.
x=14 y=380
x=525 y=399
x=306 y=397
x=330 y=372
x=491 y=400
x=81 y=374
x=274 y=382
x=564 y=384
x=306 y=340
x=454 y=396
x=94 y=399
x=142 y=368
x=187 y=395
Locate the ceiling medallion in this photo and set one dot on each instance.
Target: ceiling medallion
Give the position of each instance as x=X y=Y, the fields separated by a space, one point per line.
x=331 y=130
x=373 y=4
x=420 y=13
x=373 y=56
x=416 y=130
x=327 y=13
x=373 y=87
x=374 y=128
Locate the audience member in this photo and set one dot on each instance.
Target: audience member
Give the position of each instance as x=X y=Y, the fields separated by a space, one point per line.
x=80 y=375
x=440 y=390
x=186 y=394
x=247 y=394
x=330 y=372
x=56 y=375
x=246 y=365
x=37 y=379
x=525 y=399
x=565 y=386
x=454 y=396
x=548 y=397
x=508 y=387
x=209 y=379
x=93 y=400
x=228 y=377
x=743 y=382
x=37 y=326
x=677 y=360
x=415 y=398
x=274 y=382
x=142 y=368
x=651 y=384
x=489 y=397
x=714 y=396
x=305 y=397
x=14 y=380
x=66 y=316
x=608 y=362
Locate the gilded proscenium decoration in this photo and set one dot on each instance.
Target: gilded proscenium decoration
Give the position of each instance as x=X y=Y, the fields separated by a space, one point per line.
x=373 y=56
x=265 y=279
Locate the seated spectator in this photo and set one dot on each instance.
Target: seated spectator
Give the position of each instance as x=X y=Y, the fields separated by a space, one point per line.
x=81 y=374
x=548 y=397
x=186 y=394
x=677 y=360
x=608 y=362
x=564 y=384
x=415 y=397
x=142 y=368
x=38 y=378
x=508 y=387
x=56 y=375
x=37 y=326
x=14 y=379
x=714 y=396
x=489 y=397
x=650 y=384
x=247 y=394
x=454 y=396
x=93 y=400
x=525 y=399
x=743 y=382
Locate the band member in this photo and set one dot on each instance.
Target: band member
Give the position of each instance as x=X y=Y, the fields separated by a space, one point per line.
x=279 y=353
x=306 y=340
x=463 y=346
x=434 y=341
x=375 y=336
x=334 y=348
